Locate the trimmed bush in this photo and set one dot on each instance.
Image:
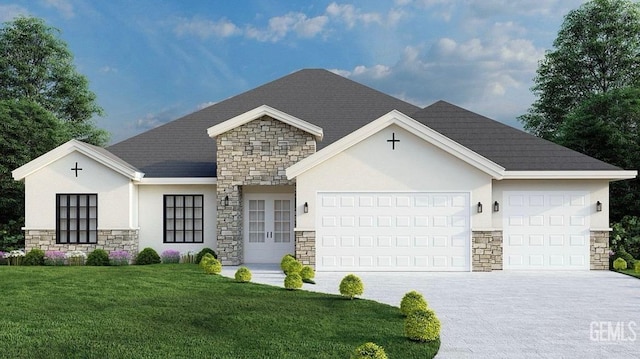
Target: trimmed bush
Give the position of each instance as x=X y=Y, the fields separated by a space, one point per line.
x=292 y=266
x=351 y=286
x=369 y=351
x=293 y=281
x=285 y=260
x=98 y=257
x=422 y=326
x=35 y=257
x=412 y=301
x=147 y=256
x=205 y=251
x=205 y=260
x=619 y=264
x=212 y=266
x=170 y=256
x=628 y=258
x=243 y=275
x=307 y=273
x=636 y=268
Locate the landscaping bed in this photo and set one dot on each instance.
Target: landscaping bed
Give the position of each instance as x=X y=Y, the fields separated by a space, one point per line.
x=174 y=310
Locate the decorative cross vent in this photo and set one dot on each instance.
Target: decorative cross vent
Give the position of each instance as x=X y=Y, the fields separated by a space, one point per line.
x=76 y=169
x=393 y=141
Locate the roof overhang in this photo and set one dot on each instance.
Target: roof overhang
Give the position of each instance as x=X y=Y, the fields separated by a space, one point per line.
x=261 y=111
x=557 y=175
x=409 y=124
x=178 y=181
x=97 y=154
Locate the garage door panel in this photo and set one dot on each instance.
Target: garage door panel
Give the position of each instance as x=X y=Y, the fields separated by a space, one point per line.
x=412 y=231
x=562 y=242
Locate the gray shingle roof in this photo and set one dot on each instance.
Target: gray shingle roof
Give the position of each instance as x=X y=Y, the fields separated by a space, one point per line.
x=511 y=148
x=182 y=148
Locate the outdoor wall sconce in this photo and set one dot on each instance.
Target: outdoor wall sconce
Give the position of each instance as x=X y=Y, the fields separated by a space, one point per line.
x=599 y=206
x=305 y=208
x=226 y=201
x=496 y=206
x=479 y=207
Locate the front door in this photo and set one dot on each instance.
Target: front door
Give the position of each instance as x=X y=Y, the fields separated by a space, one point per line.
x=268 y=227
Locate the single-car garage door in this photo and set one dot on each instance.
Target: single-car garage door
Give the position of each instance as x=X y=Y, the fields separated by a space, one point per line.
x=393 y=231
x=546 y=230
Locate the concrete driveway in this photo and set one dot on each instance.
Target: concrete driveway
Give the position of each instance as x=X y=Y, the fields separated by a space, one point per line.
x=499 y=314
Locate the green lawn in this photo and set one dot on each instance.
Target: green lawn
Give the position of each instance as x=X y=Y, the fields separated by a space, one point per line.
x=630 y=272
x=172 y=311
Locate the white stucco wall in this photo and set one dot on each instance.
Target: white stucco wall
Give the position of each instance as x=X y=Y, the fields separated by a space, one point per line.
x=115 y=192
x=151 y=216
x=414 y=165
x=598 y=191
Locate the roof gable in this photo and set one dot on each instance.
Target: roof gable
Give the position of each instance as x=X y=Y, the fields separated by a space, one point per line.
x=265 y=110
x=407 y=123
x=97 y=154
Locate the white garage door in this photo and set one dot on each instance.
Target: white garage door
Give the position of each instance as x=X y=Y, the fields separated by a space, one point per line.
x=546 y=230
x=393 y=232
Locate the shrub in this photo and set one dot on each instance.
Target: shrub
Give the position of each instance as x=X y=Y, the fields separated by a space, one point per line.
x=621 y=253
x=213 y=266
x=14 y=258
x=205 y=251
x=205 y=260
x=76 y=258
x=422 y=326
x=626 y=235
x=147 y=256
x=292 y=266
x=412 y=301
x=35 y=257
x=369 y=351
x=98 y=257
x=285 y=260
x=636 y=268
x=307 y=273
x=243 y=275
x=293 y=281
x=351 y=285
x=119 y=258
x=170 y=256
x=619 y=264
x=54 y=258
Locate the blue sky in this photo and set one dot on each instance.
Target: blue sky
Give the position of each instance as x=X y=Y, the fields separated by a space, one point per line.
x=152 y=61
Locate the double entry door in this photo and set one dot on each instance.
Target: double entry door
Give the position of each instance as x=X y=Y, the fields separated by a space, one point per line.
x=268 y=227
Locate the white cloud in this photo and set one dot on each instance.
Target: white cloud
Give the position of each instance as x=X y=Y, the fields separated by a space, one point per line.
x=108 y=69
x=206 y=28
x=206 y=104
x=9 y=12
x=63 y=6
x=280 y=26
x=353 y=16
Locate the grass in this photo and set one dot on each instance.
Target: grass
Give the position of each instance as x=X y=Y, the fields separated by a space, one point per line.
x=174 y=310
x=630 y=272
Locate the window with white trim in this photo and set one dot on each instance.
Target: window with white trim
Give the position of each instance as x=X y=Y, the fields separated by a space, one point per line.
x=76 y=218
x=183 y=218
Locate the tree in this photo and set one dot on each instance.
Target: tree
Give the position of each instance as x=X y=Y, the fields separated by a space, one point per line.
x=35 y=64
x=606 y=126
x=597 y=50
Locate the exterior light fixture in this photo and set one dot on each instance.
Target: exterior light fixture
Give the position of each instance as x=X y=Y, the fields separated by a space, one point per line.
x=496 y=206
x=599 y=206
x=305 y=208
x=479 y=207
x=226 y=201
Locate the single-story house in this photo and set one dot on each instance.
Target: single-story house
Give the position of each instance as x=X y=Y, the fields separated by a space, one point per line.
x=345 y=177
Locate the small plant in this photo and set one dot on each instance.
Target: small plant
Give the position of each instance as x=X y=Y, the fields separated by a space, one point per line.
x=14 y=258
x=188 y=257
x=243 y=275
x=170 y=256
x=285 y=259
x=76 y=258
x=619 y=264
x=412 y=301
x=98 y=257
x=293 y=281
x=351 y=286
x=206 y=258
x=292 y=266
x=35 y=257
x=369 y=351
x=119 y=258
x=212 y=266
x=622 y=253
x=422 y=325
x=147 y=256
x=307 y=273
x=205 y=251
x=54 y=258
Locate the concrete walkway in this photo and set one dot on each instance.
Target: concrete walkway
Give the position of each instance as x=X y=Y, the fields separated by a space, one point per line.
x=510 y=314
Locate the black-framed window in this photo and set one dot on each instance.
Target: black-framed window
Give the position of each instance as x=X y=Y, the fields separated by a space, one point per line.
x=183 y=218
x=76 y=218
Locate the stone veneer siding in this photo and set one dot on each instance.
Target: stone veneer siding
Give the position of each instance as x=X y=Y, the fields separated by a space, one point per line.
x=486 y=251
x=306 y=248
x=252 y=154
x=108 y=239
x=599 y=244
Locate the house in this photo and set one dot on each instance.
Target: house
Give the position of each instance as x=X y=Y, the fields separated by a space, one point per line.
x=344 y=176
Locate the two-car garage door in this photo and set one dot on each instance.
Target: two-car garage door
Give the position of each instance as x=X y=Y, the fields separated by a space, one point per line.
x=393 y=231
